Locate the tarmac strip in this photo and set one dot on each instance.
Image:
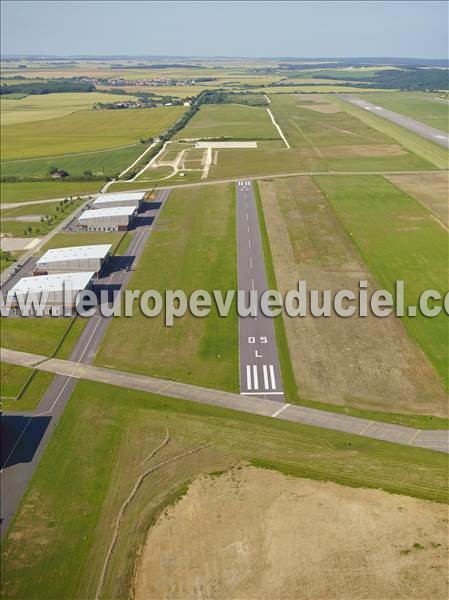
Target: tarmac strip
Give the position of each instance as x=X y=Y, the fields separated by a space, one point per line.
x=435 y=439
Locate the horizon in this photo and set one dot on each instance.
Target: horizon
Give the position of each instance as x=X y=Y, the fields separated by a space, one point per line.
x=287 y=29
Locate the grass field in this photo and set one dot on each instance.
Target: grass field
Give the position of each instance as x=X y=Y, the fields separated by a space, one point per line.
x=45 y=190
x=422 y=107
x=37 y=383
x=408 y=245
x=50 y=106
x=193 y=247
x=13 y=378
x=101 y=163
x=230 y=121
x=377 y=368
x=104 y=435
x=85 y=130
x=33 y=334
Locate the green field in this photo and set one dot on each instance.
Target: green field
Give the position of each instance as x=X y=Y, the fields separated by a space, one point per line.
x=37 y=335
x=193 y=247
x=95 y=457
x=33 y=190
x=12 y=379
x=422 y=107
x=101 y=163
x=85 y=130
x=229 y=121
x=51 y=106
x=37 y=383
x=407 y=245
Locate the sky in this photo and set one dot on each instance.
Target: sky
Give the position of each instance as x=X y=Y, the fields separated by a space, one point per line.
x=251 y=29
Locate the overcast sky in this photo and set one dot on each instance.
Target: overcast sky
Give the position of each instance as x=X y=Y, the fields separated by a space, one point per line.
x=306 y=29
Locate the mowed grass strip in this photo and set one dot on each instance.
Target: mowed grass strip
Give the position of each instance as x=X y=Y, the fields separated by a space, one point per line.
x=85 y=130
x=57 y=543
x=230 y=121
x=193 y=247
x=398 y=239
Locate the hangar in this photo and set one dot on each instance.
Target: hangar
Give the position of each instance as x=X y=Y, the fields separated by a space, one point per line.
x=73 y=259
x=119 y=199
x=61 y=290
x=118 y=218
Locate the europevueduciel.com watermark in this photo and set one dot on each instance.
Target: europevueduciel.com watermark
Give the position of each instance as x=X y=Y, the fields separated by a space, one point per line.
x=174 y=304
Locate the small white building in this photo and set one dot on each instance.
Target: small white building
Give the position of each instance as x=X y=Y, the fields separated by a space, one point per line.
x=119 y=199
x=57 y=292
x=73 y=259
x=118 y=218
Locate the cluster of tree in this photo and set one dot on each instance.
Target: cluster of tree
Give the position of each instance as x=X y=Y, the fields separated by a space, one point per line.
x=407 y=79
x=46 y=87
x=222 y=97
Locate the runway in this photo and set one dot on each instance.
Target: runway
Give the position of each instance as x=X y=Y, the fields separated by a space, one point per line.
x=425 y=131
x=260 y=374
x=27 y=434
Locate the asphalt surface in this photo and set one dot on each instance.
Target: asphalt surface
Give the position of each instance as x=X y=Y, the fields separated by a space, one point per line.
x=425 y=131
x=260 y=374
x=26 y=435
x=436 y=440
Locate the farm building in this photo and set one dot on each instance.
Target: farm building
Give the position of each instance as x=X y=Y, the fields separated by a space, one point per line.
x=126 y=199
x=61 y=290
x=73 y=259
x=118 y=218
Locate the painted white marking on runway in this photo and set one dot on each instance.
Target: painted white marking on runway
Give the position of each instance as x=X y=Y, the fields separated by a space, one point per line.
x=278 y=412
x=256 y=379
x=248 y=377
x=249 y=243
x=261 y=393
x=252 y=283
x=250 y=262
x=265 y=377
x=272 y=377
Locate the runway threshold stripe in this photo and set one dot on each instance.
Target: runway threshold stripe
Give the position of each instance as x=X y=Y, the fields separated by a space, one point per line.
x=272 y=377
x=256 y=379
x=265 y=377
x=248 y=377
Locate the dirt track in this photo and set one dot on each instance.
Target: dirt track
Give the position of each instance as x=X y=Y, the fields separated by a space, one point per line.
x=253 y=533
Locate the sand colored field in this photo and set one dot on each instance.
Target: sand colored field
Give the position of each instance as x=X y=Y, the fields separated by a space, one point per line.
x=431 y=189
x=252 y=534
x=368 y=362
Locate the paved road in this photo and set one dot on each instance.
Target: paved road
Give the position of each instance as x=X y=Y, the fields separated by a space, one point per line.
x=425 y=131
x=27 y=434
x=436 y=440
x=260 y=374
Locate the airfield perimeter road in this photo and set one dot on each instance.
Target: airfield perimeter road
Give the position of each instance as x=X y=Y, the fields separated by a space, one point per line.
x=35 y=429
x=436 y=439
x=260 y=374
x=425 y=131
